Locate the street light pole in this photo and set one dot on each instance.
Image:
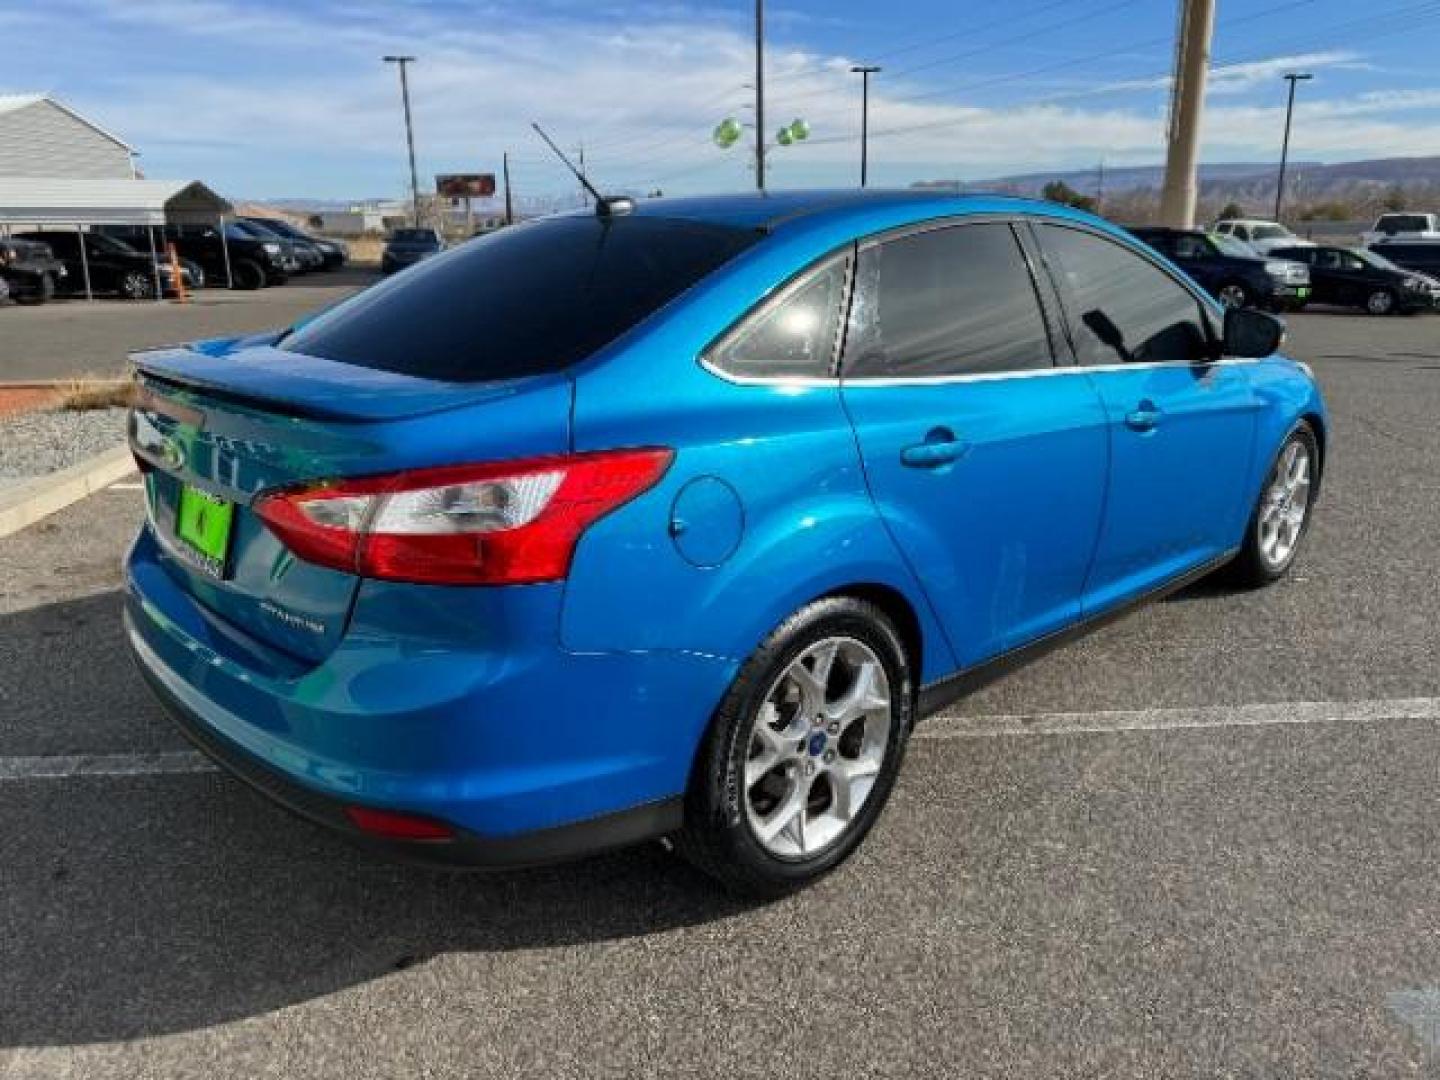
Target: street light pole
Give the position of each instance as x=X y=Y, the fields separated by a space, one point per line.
x=1292 y=77
x=404 y=62
x=760 y=95
x=864 y=71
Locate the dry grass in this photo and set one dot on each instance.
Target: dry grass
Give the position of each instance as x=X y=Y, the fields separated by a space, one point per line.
x=366 y=250
x=84 y=394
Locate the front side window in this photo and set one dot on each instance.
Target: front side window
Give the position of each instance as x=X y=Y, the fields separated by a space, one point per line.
x=950 y=301
x=790 y=336
x=1124 y=309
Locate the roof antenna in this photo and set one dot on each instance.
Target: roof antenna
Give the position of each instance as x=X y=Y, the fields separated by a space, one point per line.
x=604 y=206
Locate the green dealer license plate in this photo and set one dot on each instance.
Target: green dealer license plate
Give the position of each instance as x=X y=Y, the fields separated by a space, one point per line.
x=202 y=525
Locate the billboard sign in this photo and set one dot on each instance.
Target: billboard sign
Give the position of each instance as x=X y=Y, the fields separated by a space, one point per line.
x=465 y=185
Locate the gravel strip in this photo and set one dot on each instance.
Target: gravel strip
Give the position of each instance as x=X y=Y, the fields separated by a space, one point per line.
x=37 y=443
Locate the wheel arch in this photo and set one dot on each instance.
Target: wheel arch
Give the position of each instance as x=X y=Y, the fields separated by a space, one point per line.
x=1317 y=425
x=899 y=610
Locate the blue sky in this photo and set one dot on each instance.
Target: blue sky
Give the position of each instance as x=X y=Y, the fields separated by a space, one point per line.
x=266 y=99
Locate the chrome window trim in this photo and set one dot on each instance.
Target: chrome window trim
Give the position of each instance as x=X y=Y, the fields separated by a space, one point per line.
x=850 y=251
x=808 y=381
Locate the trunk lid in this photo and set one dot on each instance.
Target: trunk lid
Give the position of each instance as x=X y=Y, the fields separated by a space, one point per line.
x=229 y=423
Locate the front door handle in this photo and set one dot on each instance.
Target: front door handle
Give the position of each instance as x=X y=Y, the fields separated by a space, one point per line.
x=1143 y=417
x=940 y=447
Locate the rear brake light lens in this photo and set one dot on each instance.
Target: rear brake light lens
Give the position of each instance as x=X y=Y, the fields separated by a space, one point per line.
x=396 y=826
x=501 y=523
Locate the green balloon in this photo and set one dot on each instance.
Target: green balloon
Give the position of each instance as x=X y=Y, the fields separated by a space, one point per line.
x=784 y=137
x=727 y=133
x=799 y=130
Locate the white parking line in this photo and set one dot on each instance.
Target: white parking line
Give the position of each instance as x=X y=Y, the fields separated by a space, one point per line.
x=957 y=726
x=944 y=726
x=66 y=766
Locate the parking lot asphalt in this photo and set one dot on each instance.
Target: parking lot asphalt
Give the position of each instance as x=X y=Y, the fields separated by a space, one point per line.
x=72 y=338
x=1201 y=842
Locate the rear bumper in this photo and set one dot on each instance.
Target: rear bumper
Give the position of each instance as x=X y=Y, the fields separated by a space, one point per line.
x=529 y=753
x=620 y=829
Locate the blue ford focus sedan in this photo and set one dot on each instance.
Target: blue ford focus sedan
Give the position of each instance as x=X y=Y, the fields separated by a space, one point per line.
x=671 y=520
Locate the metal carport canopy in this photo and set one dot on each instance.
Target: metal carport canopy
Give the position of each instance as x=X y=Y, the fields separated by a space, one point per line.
x=30 y=201
x=27 y=201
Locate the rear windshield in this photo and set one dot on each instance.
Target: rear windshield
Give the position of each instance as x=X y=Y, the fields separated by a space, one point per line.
x=524 y=300
x=411 y=236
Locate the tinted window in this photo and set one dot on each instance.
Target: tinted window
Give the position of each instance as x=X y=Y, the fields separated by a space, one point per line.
x=954 y=301
x=1191 y=247
x=527 y=299
x=413 y=236
x=1123 y=308
x=793 y=334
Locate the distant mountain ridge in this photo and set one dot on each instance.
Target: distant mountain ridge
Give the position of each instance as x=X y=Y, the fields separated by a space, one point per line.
x=1312 y=180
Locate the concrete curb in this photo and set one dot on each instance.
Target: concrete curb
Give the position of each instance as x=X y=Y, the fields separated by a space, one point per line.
x=28 y=501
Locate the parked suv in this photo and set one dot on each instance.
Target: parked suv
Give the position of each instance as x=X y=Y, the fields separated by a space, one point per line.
x=293 y=259
x=115 y=268
x=332 y=253
x=1230 y=271
x=1404 y=226
x=1259 y=234
x=1421 y=256
x=1363 y=279
x=406 y=247
x=254 y=261
x=30 y=270
x=599 y=529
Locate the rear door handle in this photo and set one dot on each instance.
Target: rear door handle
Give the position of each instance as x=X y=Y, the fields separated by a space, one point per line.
x=940 y=447
x=1143 y=417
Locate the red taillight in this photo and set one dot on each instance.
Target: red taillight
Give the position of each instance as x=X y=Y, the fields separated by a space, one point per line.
x=500 y=523
x=396 y=826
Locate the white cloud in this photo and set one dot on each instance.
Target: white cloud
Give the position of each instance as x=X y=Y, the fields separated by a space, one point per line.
x=319 y=101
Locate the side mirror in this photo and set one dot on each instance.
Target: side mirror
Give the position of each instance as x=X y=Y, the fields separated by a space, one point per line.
x=1251 y=334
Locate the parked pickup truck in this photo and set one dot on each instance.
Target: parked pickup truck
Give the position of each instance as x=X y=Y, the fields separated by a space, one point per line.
x=1398 y=228
x=30 y=270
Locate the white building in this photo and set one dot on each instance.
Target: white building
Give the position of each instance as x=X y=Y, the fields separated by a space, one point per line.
x=41 y=137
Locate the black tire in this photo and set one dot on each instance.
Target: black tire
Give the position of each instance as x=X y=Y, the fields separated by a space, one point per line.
x=43 y=292
x=1381 y=302
x=717 y=836
x=1253 y=568
x=247 y=275
x=137 y=285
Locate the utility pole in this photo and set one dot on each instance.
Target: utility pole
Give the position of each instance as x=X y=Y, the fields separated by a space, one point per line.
x=760 y=95
x=1292 y=77
x=1100 y=189
x=509 y=206
x=404 y=62
x=1187 y=103
x=864 y=71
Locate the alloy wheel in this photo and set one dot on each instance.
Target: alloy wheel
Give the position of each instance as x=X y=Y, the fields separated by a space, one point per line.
x=137 y=286
x=816 y=747
x=1287 y=502
x=1380 y=302
x=1233 y=296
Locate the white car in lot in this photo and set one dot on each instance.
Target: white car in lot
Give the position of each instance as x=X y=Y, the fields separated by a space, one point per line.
x=1259 y=234
x=1403 y=227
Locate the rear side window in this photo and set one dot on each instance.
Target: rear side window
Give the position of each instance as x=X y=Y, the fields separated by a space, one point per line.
x=792 y=335
x=951 y=301
x=1124 y=309
x=521 y=301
